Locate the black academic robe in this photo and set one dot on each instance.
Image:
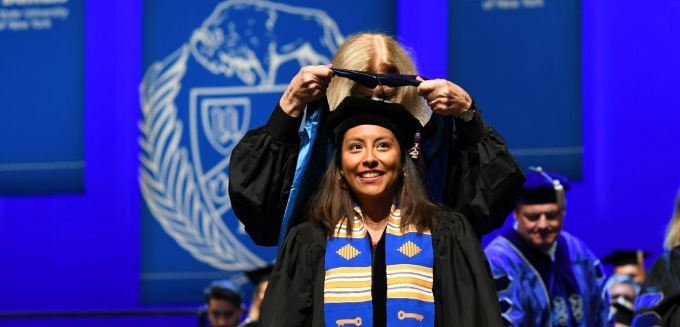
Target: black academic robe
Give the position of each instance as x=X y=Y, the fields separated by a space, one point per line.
x=480 y=177
x=463 y=287
x=658 y=303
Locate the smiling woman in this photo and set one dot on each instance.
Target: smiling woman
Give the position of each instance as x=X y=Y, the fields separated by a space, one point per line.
x=371 y=165
x=376 y=251
x=272 y=173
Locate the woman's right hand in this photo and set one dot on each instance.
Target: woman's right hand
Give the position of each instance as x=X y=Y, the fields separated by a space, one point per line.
x=308 y=85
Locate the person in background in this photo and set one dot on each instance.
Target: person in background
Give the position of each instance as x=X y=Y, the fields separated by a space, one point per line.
x=658 y=303
x=623 y=290
x=273 y=170
x=260 y=278
x=544 y=275
x=224 y=303
x=628 y=262
x=375 y=250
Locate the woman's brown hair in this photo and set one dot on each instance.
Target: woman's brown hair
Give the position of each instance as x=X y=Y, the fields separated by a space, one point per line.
x=333 y=201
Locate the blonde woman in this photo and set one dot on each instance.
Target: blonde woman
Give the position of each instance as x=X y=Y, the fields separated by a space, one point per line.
x=659 y=301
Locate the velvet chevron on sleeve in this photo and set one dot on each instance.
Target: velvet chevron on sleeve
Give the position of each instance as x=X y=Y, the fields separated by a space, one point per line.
x=536 y=290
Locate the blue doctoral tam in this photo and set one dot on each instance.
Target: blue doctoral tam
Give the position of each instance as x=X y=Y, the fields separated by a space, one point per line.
x=543 y=187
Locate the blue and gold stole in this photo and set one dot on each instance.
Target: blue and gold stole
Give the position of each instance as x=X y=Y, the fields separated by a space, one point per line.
x=409 y=263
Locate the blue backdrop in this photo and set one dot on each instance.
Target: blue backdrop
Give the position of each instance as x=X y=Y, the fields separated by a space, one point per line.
x=221 y=67
x=84 y=252
x=41 y=97
x=521 y=61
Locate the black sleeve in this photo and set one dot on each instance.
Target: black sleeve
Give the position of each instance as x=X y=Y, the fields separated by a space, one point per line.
x=288 y=299
x=483 y=178
x=465 y=292
x=659 y=300
x=261 y=171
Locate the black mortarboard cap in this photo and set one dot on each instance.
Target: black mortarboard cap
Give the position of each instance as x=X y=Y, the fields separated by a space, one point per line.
x=355 y=111
x=258 y=275
x=623 y=257
x=543 y=187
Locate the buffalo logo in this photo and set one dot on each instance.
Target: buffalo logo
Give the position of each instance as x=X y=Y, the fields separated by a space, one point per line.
x=200 y=100
x=244 y=38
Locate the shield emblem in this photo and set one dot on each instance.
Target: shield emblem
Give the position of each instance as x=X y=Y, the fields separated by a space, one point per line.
x=225 y=121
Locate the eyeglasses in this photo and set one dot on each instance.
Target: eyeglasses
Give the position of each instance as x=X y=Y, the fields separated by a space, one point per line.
x=371 y=80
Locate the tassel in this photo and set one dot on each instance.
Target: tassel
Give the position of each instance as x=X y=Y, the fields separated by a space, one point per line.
x=417 y=156
x=415 y=149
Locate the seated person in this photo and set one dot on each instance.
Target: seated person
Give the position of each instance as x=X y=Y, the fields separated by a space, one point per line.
x=260 y=278
x=628 y=262
x=223 y=300
x=622 y=293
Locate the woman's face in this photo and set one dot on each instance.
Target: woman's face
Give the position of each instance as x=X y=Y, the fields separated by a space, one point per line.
x=386 y=92
x=371 y=162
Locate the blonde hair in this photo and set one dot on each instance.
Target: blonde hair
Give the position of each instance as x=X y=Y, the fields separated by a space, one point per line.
x=673 y=230
x=368 y=51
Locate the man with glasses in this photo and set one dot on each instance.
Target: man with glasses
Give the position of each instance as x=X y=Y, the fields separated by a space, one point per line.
x=224 y=303
x=544 y=275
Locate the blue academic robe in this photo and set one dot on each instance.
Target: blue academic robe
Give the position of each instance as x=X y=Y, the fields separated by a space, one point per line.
x=535 y=289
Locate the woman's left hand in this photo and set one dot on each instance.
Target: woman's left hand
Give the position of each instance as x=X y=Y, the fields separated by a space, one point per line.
x=444 y=97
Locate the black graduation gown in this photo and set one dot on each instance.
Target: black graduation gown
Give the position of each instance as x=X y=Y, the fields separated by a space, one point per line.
x=464 y=289
x=662 y=279
x=482 y=177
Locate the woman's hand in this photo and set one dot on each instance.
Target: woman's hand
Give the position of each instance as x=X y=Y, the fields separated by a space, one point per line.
x=308 y=85
x=444 y=97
